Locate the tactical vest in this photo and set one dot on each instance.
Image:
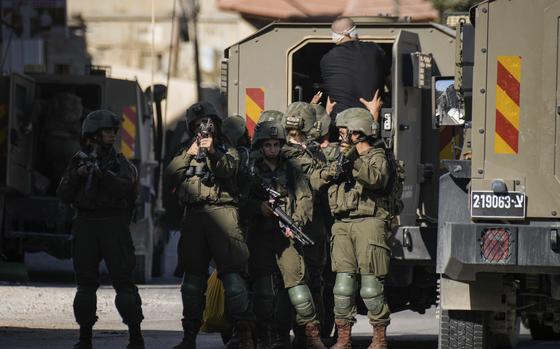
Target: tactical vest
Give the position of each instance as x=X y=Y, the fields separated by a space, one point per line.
x=200 y=187
x=282 y=181
x=348 y=198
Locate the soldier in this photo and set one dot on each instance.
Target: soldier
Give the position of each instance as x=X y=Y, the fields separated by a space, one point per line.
x=101 y=186
x=359 y=234
x=271 y=115
x=203 y=175
x=266 y=239
x=305 y=154
x=329 y=149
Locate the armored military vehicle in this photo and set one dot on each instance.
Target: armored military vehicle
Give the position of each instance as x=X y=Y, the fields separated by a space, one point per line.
x=498 y=253
x=40 y=126
x=473 y=114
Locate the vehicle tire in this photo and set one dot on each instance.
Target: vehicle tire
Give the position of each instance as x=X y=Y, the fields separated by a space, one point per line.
x=462 y=329
x=542 y=332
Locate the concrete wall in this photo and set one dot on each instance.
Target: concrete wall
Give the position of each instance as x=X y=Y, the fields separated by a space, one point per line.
x=119 y=35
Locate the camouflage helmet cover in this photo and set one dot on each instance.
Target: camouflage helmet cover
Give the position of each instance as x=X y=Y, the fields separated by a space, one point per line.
x=271 y=115
x=100 y=119
x=201 y=110
x=357 y=120
x=268 y=130
x=233 y=128
x=323 y=119
x=301 y=116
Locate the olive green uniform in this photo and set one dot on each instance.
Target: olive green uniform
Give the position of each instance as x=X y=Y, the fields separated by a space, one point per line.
x=310 y=160
x=358 y=241
x=211 y=230
x=100 y=230
x=265 y=236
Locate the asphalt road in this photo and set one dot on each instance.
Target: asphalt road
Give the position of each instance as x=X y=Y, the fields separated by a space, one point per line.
x=39 y=315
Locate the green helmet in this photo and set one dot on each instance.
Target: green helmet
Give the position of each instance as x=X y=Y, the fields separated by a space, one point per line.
x=323 y=120
x=268 y=130
x=233 y=128
x=301 y=116
x=99 y=119
x=357 y=120
x=271 y=115
x=201 y=110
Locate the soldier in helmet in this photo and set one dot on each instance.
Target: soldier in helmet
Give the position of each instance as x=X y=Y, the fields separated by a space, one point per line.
x=269 y=244
x=358 y=243
x=271 y=115
x=203 y=175
x=329 y=149
x=304 y=153
x=100 y=183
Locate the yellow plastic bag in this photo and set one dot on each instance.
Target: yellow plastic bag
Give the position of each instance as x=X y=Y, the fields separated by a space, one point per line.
x=214 y=319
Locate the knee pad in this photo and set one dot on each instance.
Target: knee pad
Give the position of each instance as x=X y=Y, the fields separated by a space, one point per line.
x=85 y=304
x=235 y=294
x=372 y=293
x=301 y=299
x=263 y=297
x=129 y=305
x=344 y=289
x=192 y=293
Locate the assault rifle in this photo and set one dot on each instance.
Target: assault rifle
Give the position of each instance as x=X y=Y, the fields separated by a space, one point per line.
x=93 y=164
x=344 y=170
x=205 y=130
x=283 y=219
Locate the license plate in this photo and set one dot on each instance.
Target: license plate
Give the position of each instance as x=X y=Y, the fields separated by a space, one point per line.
x=487 y=204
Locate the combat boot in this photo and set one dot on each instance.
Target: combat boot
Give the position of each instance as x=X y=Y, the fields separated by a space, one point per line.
x=244 y=328
x=344 y=331
x=300 y=339
x=186 y=344
x=190 y=330
x=313 y=334
x=136 y=344
x=379 y=340
x=262 y=336
x=280 y=339
x=136 y=341
x=83 y=344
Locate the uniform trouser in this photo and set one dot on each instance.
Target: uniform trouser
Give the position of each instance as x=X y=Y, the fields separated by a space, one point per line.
x=271 y=246
x=314 y=256
x=358 y=247
x=213 y=233
x=107 y=238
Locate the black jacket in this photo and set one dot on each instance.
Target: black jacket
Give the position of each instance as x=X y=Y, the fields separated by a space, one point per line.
x=352 y=70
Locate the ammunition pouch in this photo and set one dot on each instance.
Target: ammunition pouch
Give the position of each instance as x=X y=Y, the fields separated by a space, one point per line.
x=341 y=200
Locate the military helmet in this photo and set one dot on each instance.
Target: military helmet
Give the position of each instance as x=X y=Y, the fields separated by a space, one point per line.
x=357 y=120
x=271 y=115
x=201 y=110
x=323 y=120
x=301 y=116
x=100 y=119
x=233 y=128
x=268 y=130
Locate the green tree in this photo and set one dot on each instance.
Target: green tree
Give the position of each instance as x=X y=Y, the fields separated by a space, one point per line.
x=453 y=5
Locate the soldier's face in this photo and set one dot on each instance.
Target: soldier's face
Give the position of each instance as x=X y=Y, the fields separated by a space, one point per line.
x=108 y=136
x=343 y=136
x=271 y=148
